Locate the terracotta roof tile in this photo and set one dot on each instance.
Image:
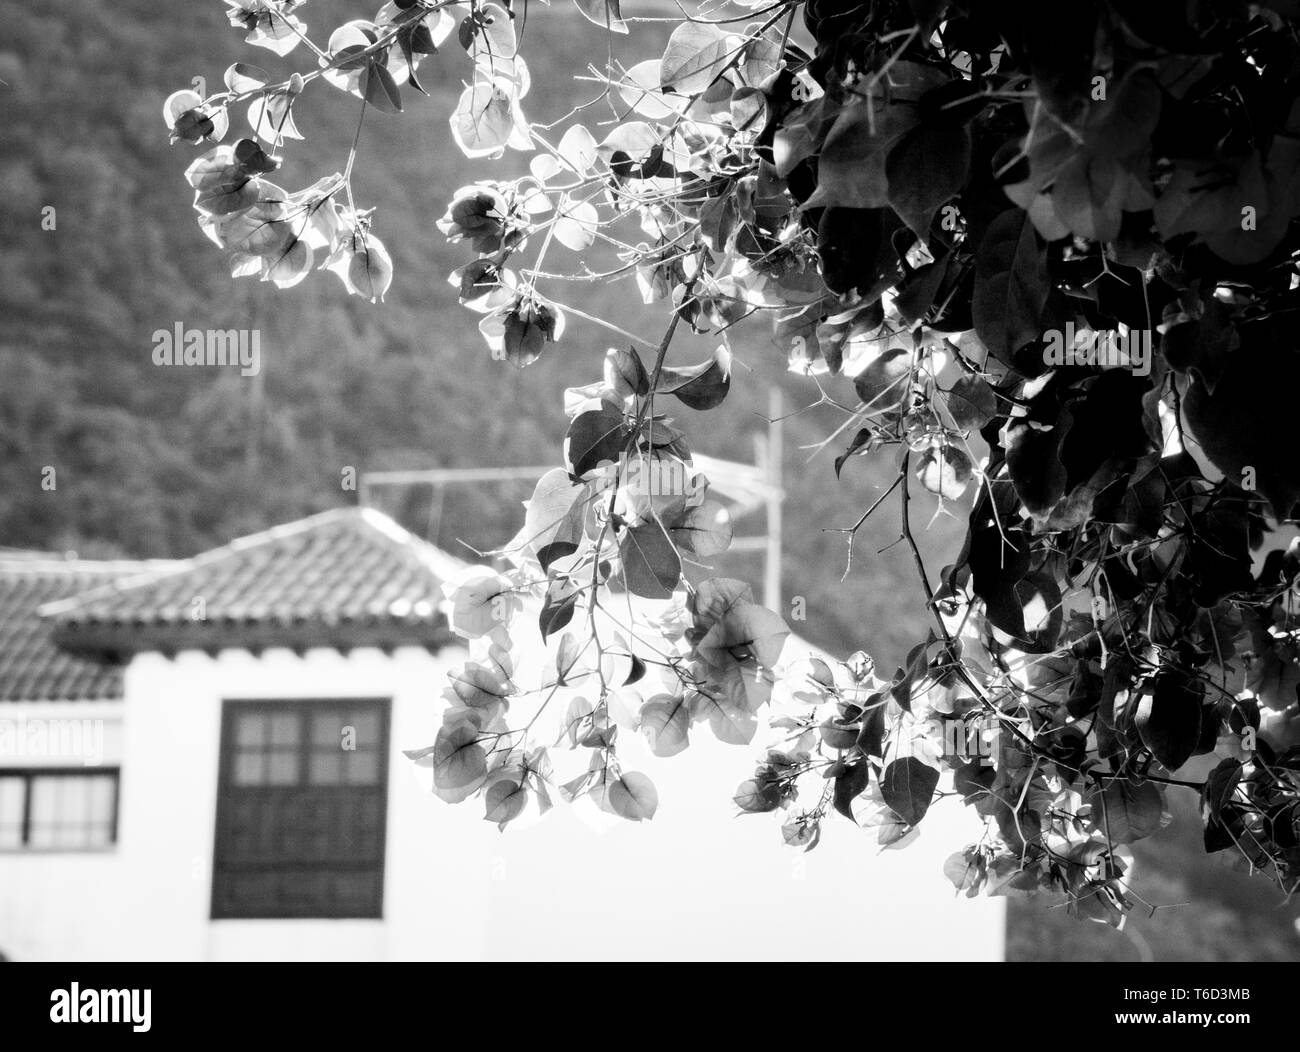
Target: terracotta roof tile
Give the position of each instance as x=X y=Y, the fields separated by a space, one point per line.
x=348 y=577
x=32 y=667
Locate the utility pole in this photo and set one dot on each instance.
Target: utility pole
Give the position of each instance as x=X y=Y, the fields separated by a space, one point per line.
x=772 y=461
x=745 y=487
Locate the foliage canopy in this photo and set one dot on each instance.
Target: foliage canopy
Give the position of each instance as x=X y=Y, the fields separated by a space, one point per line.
x=1043 y=256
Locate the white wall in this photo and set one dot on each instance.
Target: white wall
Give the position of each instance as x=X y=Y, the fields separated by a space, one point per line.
x=694 y=883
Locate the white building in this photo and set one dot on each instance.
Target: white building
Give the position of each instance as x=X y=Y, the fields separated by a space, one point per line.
x=172 y=787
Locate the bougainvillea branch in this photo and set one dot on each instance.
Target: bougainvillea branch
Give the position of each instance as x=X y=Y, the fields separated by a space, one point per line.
x=1045 y=256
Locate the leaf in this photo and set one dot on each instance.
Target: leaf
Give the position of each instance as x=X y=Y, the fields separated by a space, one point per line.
x=553 y=516
x=702 y=386
x=603 y=13
x=566 y=657
x=848 y=785
x=640 y=89
x=625 y=374
x=551 y=553
x=557 y=611
x=851 y=168
x=745 y=628
x=971 y=403
x=922 y=287
x=862 y=438
x=1168 y=718
x=481 y=600
x=729 y=723
x=458 y=759
x=908 y=786
x=837 y=734
x=1216 y=795
x=369 y=268
x=945 y=470
x=480 y=686
x=651 y=565
x=886 y=382
x=665 y=722
x=1206 y=198
x=634 y=150
x=1124 y=812
x=696 y=56
x=1011 y=285
x=578 y=150
x=594 y=437
x=799 y=136
x=505 y=801
x=762 y=60
x=925 y=169
x=576 y=225
x=715 y=598
x=291 y=266
x=633 y=797
x=485 y=120
x=242 y=77
x=415 y=38
x=757 y=796
x=801 y=831
x=704 y=530
x=379 y=88
x=270 y=115
x=495 y=36
x=964 y=870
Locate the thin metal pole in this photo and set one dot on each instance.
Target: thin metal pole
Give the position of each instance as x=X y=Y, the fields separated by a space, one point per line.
x=772 y=461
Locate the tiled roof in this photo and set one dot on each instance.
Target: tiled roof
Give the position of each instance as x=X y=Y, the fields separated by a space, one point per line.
x=32 y=668
x=346 y=578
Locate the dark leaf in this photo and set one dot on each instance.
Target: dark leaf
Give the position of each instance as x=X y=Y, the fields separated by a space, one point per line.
x=557 y=611
x=548 y=553
x=379 y=87
x=1011 y=285
x=859 y=440
x=700 y=386
x=925 y=169
x=1168 y=718
x=595 y=436
x=908 y=786
x=971 y=403
x=651 y=565
x=848 y=785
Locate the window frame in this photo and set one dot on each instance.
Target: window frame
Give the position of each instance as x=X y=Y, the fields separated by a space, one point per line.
x=29 y=774
x=302 y=708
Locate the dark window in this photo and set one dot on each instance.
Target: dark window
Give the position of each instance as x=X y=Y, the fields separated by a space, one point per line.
x=301 y=809
x=58 y=810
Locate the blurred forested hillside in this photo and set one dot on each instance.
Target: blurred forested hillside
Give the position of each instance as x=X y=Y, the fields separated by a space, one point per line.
x=156 y=462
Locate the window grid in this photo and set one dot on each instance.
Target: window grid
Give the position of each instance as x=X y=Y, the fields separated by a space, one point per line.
x=307 y=841
x=58 y=809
